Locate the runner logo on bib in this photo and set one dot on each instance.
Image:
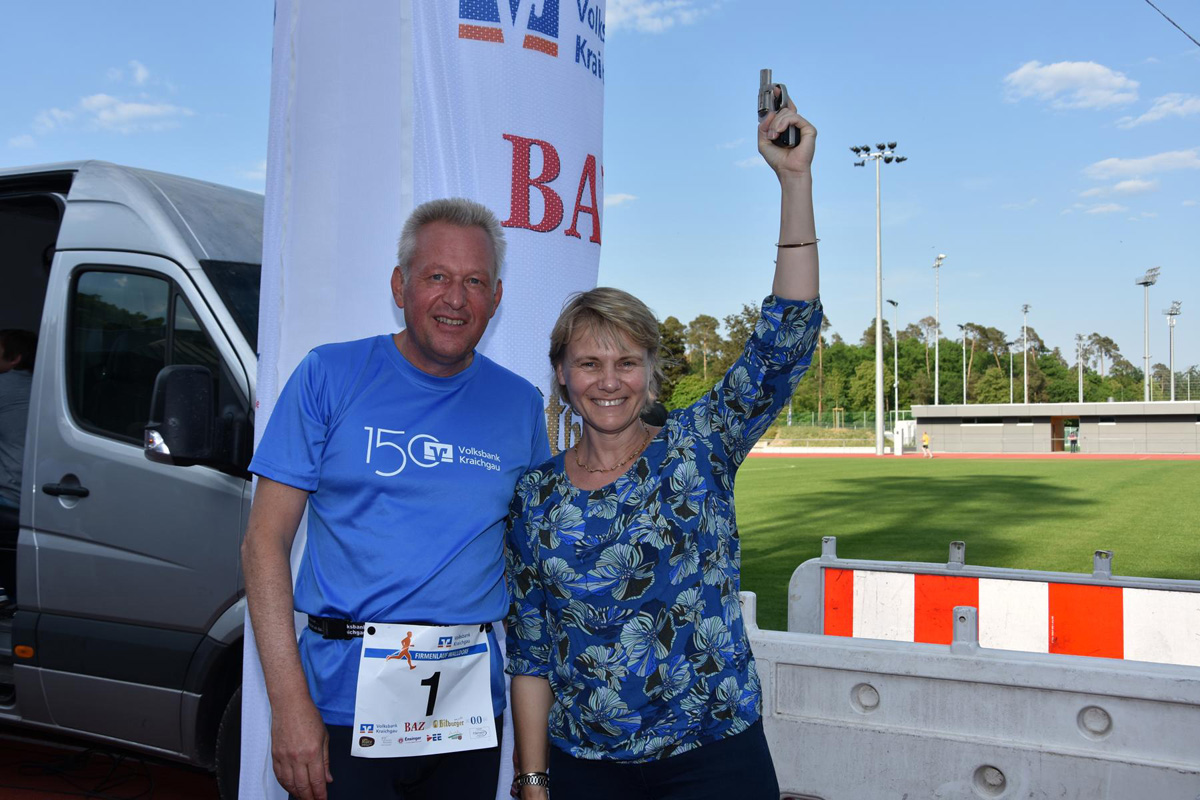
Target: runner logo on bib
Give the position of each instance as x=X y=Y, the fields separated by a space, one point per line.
x=422 y=690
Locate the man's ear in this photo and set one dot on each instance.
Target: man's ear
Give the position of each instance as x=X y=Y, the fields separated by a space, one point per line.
x=496 y=297
x=398 y=287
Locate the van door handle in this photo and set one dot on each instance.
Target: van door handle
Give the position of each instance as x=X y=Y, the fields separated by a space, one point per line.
x=67 y=489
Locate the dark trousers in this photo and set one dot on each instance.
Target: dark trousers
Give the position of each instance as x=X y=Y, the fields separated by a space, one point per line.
x=736 y=767
x=469 y=775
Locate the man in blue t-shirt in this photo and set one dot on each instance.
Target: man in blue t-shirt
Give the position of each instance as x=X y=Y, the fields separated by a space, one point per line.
x=405 y=449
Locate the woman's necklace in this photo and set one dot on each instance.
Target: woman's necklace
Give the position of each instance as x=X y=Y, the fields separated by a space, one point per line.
x=628 y=458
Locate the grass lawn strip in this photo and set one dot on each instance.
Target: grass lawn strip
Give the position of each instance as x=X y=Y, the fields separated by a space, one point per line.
x=1036 y=514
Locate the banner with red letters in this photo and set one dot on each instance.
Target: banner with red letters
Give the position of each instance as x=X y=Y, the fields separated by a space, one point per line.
x=379 y=105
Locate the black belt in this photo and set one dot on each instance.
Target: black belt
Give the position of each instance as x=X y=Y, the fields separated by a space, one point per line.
x=333 y=628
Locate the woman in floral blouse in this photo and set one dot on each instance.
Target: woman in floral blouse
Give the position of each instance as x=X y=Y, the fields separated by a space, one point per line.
x=632 y=673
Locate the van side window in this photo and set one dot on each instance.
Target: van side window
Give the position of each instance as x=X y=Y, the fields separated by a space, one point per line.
x=190 y=344
x=127 y=326
x=117 y=347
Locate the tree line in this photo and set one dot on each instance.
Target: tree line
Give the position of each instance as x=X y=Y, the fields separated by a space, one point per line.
x=842 y=374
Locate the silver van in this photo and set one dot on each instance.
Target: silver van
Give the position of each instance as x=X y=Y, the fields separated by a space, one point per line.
x=124 y=616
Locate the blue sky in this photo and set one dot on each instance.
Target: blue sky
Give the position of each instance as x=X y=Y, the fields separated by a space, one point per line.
x=1054 y=148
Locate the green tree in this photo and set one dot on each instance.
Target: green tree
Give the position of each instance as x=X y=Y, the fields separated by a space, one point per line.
x=674 y=355
x=688 y=389
x=738 y=328
x=861 y=392
x=868 y=337
x=992 y=386
x=703 y=340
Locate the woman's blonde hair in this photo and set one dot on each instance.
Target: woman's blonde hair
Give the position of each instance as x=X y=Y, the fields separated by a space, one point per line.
x=609 y=315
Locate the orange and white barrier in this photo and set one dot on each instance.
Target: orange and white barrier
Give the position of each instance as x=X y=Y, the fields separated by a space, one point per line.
x=1098 y=615
x=1033 y=616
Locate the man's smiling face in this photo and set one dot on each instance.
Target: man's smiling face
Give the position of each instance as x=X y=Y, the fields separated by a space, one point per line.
x=448 y=297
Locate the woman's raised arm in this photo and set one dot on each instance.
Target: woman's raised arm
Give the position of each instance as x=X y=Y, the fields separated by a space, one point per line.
x=796 y=265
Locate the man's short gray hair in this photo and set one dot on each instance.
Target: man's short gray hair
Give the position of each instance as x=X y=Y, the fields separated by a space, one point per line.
x=456 y=211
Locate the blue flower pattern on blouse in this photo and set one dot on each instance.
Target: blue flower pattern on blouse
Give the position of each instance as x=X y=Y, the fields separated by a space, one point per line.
x=626 y=597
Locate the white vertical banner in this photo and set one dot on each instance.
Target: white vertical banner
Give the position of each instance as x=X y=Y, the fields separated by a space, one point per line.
x=379 y=105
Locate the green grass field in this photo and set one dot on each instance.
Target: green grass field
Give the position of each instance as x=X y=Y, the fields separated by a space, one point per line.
x=1035 y=514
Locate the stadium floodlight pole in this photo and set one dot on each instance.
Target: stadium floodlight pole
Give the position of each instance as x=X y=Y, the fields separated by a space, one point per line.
x=937 y=323
x=1079 y=362
x=1146 y=281
x=1172 y=313
x=963 y=328
x=1025 y=347
x=895 y=378
x=886 y=153
x=1009 y=345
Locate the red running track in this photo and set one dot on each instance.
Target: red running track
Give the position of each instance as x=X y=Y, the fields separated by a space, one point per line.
x=1008 y=456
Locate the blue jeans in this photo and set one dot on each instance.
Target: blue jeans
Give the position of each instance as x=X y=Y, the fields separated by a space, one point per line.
x=736 y=768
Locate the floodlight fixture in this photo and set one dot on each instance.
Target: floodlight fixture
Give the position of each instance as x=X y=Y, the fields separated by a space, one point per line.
x=893 y=303
x=882 y=153
x=854 y=149
x=891 y=145
x=1173 y=311
x=1146 y=281
x=1150 y=278
x=900 y=159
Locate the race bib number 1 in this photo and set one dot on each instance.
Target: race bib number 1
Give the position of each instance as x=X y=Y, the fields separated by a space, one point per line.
x=422 y=690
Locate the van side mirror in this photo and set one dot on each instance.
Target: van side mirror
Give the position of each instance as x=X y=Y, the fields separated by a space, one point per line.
x=182 y=410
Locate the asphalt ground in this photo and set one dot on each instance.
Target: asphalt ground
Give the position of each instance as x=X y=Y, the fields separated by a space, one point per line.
x=34 y=766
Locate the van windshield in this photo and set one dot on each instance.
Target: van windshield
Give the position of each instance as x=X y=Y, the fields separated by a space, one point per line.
x=237 y=284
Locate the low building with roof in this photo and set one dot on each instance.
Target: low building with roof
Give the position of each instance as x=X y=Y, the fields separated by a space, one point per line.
x=1162 y=427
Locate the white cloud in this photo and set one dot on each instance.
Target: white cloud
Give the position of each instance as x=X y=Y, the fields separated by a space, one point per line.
x=1130 y=186
x=140 y=73
x=753 y=161
x=1030 y=203
x=1134 y=186
x=614 y=200
x=24 y=140
x=1190 y=203
x=1106 y=208
x=110 y=113
x=1169 y=105
x=51 y=118
x=1161 y=162
x=1149 y=213
x=733 y=144
x=1071 y=84
x=655 y=16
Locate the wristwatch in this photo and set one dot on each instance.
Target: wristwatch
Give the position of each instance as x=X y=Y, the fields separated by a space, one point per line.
x=533 y=779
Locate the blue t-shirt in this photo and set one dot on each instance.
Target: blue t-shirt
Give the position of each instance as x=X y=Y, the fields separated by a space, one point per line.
x=625 y=598
x=410 y=478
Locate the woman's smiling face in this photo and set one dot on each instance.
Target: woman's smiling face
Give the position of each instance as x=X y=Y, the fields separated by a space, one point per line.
x=606 y=380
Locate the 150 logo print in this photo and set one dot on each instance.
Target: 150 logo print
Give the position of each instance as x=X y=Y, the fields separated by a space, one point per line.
x=389 y=454
x=487 y=21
